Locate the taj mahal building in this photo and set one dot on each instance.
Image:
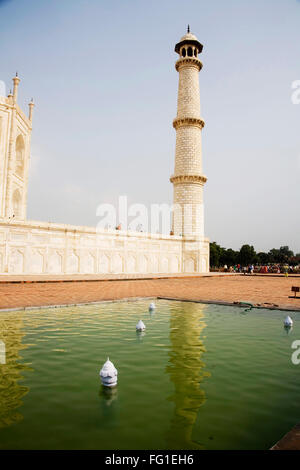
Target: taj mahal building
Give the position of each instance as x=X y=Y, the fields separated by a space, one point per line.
x=31 y=247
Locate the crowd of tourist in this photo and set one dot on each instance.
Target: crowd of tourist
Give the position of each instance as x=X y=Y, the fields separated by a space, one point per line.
x=263 y=269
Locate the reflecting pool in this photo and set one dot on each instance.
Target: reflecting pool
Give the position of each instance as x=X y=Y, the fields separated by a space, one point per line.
x=199 y=377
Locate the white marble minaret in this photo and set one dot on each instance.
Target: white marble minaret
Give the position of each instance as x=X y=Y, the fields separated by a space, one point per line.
x=188 y=179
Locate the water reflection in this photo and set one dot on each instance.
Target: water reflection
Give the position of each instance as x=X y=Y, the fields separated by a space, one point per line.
x=2 y=352
x=140 y=334
x=288 y=329
x=108 y=394
x=186 y=370
x=109 y=409
x=11 y=392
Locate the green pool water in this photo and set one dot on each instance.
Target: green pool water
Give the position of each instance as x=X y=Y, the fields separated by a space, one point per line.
x=201 y=377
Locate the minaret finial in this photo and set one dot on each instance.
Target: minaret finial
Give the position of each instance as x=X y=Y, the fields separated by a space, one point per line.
x=188 y=28
x=16 y=81
x=31 y=106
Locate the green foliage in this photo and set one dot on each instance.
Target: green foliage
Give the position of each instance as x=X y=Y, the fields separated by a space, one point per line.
x=263 y=258
x=280 y=256
x=247 y=255
x=229 y=257
x=215 y=254
x=220 y=256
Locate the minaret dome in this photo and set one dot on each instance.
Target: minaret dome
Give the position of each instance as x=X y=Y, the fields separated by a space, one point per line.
x=188 y=46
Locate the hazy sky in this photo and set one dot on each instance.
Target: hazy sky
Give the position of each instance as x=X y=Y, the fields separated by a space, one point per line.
x=103 y=78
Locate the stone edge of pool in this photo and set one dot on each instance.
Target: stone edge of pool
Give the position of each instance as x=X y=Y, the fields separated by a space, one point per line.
x=241 y=304
x=290 y=441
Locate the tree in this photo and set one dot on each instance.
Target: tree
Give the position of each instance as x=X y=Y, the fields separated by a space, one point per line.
x=215 y=254
x=285 y=254
x=220 y=256
x=263 y=258
x=273 y=255
x=282 y=255
x=247 y=255
x=229 y=257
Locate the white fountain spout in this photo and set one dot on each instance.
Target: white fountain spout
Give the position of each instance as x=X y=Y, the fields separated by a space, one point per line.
x=140 y=326
x=288 y=321
x=109 y=374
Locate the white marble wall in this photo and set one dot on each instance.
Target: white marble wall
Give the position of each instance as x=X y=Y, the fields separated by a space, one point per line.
x=28 y=247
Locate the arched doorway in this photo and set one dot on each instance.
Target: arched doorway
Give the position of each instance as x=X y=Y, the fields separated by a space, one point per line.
x=20 y=149
x=17 y=203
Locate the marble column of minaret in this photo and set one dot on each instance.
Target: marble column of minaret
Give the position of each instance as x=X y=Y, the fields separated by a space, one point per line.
x=188 y=180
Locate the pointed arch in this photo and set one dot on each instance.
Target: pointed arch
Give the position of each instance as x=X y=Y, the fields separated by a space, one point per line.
x=117 y=263
x=104 y=263
x=143 y=264
x=20 y=151
x=164 y=266
x=72 y=263
x=189 y=265
x=17 y=203
x=88 y=263
x=131 y=264
x=55 y=263
x=16 y=261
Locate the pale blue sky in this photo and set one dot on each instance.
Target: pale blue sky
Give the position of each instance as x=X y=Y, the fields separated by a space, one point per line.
x=103 y=78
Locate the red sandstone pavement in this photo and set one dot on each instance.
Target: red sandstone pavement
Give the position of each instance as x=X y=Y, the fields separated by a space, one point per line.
x=291 y=441
x=255 y=289
x=96 y=277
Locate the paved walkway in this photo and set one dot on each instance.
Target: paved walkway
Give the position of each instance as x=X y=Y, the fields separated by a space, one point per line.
x=255 y=289
x=99 y=277
x=291 y=441
x=109 y=277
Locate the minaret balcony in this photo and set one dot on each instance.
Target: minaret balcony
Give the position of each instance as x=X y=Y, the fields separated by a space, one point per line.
x=181 y=179
x=188 y=61
x=188 y=121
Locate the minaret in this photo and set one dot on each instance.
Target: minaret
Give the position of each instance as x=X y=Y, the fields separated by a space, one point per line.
x=188 y=180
